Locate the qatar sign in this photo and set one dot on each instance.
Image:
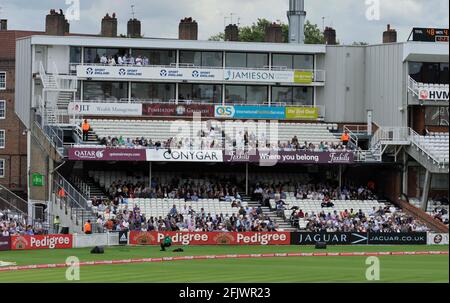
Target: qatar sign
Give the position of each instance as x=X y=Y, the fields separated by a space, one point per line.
x=106 y=154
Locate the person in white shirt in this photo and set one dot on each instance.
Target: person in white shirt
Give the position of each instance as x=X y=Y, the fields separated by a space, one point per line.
x=139 y=60
x=131 y=61
x=103 y=59
x=111 y=61
x=120 y=60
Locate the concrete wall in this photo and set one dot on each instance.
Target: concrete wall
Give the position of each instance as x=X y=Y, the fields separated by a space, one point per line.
x=23 y=87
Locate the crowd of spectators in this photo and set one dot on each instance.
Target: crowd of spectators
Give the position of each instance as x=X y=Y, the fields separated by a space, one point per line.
x=205 y=143
x=310 y=191
x=386 y=219
x=217 y=138
x=13 y=224
x=128 y=217
x=126 y=59
x=224 y=189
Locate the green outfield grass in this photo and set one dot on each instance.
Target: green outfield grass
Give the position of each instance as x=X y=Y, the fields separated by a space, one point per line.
x=428 y=268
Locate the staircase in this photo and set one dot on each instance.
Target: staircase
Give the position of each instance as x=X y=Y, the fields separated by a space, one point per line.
x=94 y=189
x=282 y=224
x=63 y=100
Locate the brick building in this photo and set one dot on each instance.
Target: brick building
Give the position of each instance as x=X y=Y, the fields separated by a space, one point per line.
x=13 y=140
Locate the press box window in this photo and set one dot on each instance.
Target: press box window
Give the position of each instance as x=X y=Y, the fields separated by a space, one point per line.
x=2 y=138
x=2 y=109
x=2 y=80
x=2 y=168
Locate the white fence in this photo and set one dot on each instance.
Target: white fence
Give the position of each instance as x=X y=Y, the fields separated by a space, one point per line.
x=106 y=239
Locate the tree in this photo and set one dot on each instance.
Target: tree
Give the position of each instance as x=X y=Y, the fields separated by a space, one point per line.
x=256 y=32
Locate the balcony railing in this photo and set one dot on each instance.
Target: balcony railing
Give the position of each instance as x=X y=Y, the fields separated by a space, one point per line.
x=318 y=75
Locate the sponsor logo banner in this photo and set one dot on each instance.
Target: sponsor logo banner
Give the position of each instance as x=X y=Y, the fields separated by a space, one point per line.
x=5 y=243
x=166 y=155
x=305 y=157
x=250 y=112
x=181 y=110
x=419 y=238
x=302 y=113
x=437 y=239
x=266 y=112
x=41 y=242
x=123 y=237
x=211 y=238
x=249 y=75
x=105 y=109
x=311 y=238
x=148 y=72
x=305 y=77
x=433 y=94
x=107 y=154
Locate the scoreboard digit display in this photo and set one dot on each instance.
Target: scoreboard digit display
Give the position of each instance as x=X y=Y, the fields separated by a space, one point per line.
x=430 y=34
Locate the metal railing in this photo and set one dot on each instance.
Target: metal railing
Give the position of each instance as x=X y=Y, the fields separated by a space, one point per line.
x=390 y=134
x=415 y=87
x=16 y=207
x=415 y=140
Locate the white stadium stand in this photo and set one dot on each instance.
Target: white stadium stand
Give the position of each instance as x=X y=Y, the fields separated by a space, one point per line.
x=159 y=130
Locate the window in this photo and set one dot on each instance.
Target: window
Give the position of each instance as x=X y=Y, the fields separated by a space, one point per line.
x=206 y=59
x=2 y=109
x=257 y=60
x=93 y=55
x=75 y=54
x=160 y=92
x=2 y=80
x=425 y=72
x=2 y=138
x=257 y=94
x=297 y=95
x=156 y=57
x=436 y=116
x=105 y=91
x=249 y=60
x=236 y=60
x=2 y=168
x=293 y=61
x=204 y=93
x=250 y=94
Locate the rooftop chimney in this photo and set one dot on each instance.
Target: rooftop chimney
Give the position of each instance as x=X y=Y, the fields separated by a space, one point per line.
x=231 y=32
x=109 y=26
x=390 y=35
x=56 y=23
x=3 y=25
x=188 y=29
x=330 y=36
x=274 y=33
x=134 y=28
x=296 y=16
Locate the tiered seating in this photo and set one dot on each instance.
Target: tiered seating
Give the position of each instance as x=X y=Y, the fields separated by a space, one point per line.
x=161 y=207
x=159 y=130
x=106 y=178
x=314 y=206
x=432 y=205
x=437 y=145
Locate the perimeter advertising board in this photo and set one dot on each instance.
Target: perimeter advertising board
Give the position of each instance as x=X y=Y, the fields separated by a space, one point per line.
x=211 y=238
x=27 y=242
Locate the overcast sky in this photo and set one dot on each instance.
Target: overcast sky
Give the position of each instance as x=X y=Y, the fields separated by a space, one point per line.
x=160 y=18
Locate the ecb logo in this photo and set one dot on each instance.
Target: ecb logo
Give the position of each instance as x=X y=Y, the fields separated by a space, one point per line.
x=163 y=73
x=89 y=71
x=122 y=72
x=195 y=74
